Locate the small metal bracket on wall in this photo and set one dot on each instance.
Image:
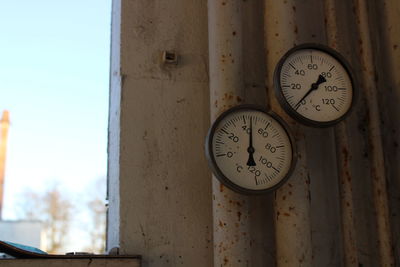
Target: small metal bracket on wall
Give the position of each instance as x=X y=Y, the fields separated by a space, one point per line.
x=170 y=57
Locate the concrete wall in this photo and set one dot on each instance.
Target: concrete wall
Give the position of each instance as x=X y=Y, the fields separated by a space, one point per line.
x=158 y=120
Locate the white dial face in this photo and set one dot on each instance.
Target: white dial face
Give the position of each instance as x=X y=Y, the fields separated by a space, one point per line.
x=252 y=149
x=316 y=85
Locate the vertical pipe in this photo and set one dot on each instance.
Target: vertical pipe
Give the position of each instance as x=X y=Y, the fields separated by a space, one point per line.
x=292 y=200
x=230 y=210
x=374 y=136
x=4 y=125
x=389 y=13
x=343 y=157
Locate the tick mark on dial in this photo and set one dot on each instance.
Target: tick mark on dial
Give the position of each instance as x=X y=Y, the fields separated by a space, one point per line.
x=335 y=107
x=275 y=169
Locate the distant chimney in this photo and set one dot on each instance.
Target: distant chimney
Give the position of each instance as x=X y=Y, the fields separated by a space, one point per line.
x=4 y=125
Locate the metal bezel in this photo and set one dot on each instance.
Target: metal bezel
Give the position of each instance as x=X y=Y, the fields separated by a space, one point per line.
x=288 y=108
x=214 y=166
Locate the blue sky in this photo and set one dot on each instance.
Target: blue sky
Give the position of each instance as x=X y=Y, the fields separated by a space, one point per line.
x=54 y=73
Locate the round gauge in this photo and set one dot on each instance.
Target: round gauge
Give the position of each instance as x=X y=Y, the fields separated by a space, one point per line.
x=314 y=85
x=250 y=150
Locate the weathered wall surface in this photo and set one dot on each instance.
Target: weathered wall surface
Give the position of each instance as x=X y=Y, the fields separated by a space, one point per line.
x=343 y=199
x=158 y=169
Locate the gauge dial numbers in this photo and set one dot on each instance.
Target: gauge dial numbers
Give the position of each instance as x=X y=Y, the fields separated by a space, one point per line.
x=314 y=85
x=249 y=150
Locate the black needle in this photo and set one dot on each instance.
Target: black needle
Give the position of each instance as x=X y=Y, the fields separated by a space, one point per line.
x=314 y=86
x=250 y=149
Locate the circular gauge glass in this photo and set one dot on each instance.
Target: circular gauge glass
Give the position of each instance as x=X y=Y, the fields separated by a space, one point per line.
x=250 y=150
x=314 y=85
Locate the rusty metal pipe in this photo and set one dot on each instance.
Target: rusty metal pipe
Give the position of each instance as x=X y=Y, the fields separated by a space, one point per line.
x=389 y=12
x=292 y=200
x=232 y=245
x=343 y=157
x=378 y=175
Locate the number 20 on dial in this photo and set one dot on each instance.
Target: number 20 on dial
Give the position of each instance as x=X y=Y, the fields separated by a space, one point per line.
x=314 y=85
x=250 y=150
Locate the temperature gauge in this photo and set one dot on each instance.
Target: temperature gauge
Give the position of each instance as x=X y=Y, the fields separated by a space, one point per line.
x=314 y=85
x=250 y=150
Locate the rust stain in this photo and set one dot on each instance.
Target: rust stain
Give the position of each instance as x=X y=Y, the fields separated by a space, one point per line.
x=230 y=96
x=348 y=176
x=395 y=46
x=303 y=257
x=286 y=214
x=239 y=214
x=221 y=187
x=226 y=260
x=234 y=33
x=345 y=153
x=239 y=99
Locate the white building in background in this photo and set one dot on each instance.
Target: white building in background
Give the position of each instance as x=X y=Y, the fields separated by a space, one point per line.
x=28 y=233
